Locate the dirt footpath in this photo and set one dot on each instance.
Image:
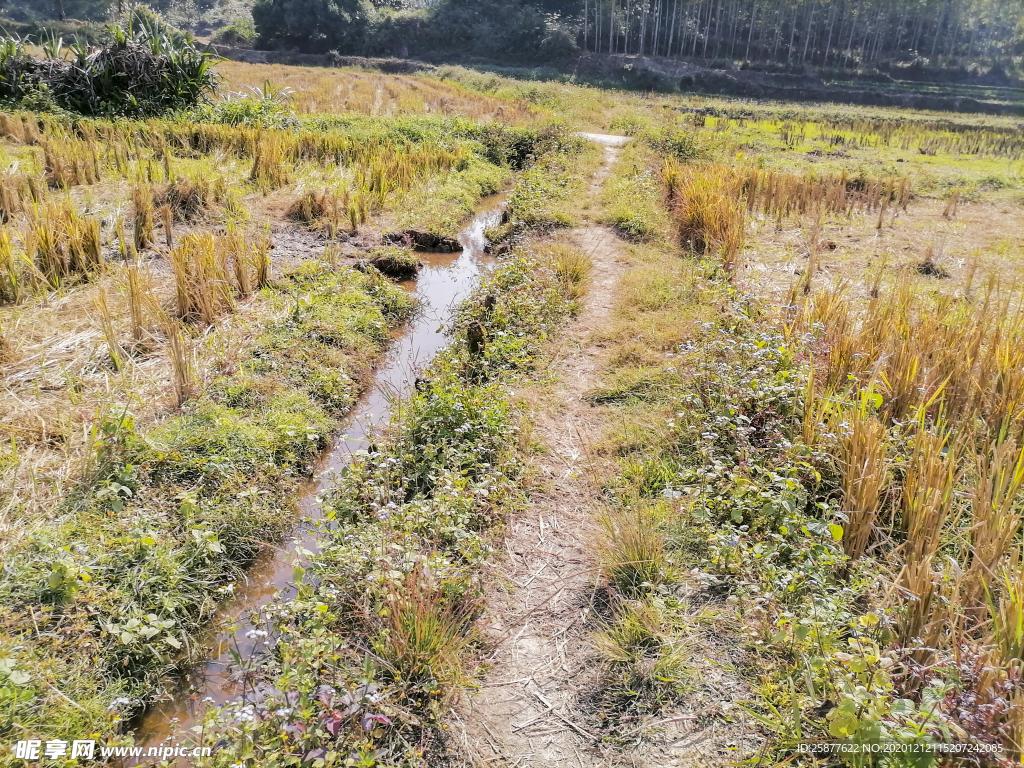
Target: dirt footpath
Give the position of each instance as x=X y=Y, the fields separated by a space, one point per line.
x=540 y=592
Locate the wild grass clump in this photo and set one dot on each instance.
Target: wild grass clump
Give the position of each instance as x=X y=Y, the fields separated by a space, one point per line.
x=263 y=107
x=632 y=196
x=572 y=267
x=633 y=551
x=426 y=637
x=675 y=142
x=707 y=220
x=646 y=661
x=189 y=198
x=531 y=301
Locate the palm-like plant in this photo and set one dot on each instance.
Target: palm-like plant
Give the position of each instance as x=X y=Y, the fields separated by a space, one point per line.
x=52 y=45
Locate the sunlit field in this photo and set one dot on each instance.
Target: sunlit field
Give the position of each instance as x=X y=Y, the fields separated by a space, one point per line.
x=806 y=412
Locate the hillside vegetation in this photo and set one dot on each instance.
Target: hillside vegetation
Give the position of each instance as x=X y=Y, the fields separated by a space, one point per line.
x=906 y=40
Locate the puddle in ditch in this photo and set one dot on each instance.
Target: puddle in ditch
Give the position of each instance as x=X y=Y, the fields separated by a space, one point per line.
x=445 y=280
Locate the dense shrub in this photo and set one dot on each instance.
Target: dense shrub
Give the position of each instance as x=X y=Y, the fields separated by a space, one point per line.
x=146 y=69
x=240 y=33
x=518 y=31
x=507 y=30
x=313 y=26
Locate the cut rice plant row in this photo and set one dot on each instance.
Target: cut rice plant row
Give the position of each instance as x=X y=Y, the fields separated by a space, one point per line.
x=47 y=231
x=79 y=153
x=837 y=131
x=781 y=195
x=958 y=355
x=847 y=466
x=709 y=204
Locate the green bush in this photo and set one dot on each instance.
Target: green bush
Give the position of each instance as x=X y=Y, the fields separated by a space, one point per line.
x=511 y=30
x=678 y=142
x=313 y=26
x=507 y=30
x=146 y=69
x=240 y=33
x=260 y=108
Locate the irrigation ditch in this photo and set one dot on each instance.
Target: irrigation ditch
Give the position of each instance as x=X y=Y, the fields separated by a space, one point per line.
x=240 y=632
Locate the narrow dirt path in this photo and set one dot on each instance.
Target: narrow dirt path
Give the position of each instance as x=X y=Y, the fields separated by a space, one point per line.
x=540 y=591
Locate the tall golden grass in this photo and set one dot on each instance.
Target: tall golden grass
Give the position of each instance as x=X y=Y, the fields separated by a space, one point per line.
x=212 y=271
x=930 y=451
x=708 y=220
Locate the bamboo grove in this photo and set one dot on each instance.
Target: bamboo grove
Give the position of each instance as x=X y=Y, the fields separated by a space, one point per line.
x=796 y=32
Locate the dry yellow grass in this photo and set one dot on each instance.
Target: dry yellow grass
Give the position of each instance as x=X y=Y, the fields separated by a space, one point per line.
x=334 y=91
x=984 y=238
x=59 y=374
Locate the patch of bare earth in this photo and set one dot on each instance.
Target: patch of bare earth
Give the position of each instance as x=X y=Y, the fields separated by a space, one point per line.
x=535 y=706
x=982 y=239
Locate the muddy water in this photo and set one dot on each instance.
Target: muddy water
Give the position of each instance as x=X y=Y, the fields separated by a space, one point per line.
x=444 y=281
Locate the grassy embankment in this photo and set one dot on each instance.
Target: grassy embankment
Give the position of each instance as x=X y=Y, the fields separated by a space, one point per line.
x=820 y=463
x=169 y=377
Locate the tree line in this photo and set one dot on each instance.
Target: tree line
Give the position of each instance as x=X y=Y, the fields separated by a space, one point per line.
x=818 y=32
x=785 y=33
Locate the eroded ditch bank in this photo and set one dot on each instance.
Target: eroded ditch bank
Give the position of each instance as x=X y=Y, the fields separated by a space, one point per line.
x=239 y=632
x=363 y=654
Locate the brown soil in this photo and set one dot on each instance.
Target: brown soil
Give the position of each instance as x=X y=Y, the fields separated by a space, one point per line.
x=540 y=593
x=983 y=239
